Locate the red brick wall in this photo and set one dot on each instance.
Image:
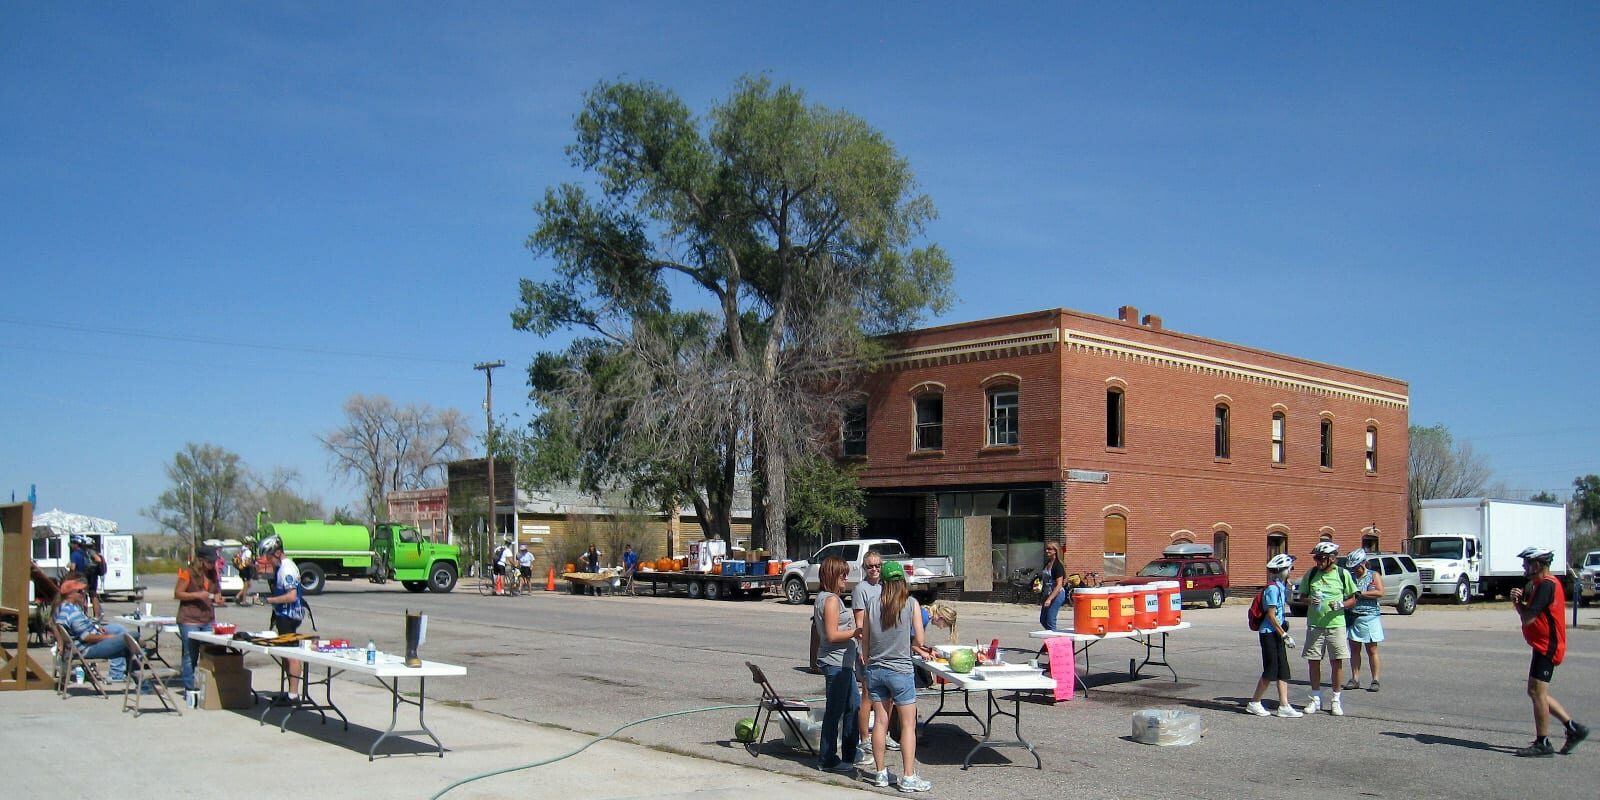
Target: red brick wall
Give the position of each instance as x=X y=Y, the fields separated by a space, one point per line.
x=1166 y=477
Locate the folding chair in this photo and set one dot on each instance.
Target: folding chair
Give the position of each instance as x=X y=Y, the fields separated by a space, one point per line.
x=68 y=656
x=142 y=672
x=772 y=702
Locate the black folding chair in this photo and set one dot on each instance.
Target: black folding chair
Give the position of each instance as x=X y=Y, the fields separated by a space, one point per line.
x=771 y=703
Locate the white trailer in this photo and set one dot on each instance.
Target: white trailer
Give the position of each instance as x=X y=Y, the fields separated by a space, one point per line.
x=1467 y=547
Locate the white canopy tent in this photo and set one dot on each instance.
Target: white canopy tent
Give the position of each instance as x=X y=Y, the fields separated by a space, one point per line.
x=55 y=522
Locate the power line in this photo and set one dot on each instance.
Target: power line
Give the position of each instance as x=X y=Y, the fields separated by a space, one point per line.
x=189 y=339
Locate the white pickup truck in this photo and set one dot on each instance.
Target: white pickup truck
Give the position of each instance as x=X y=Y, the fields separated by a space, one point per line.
x=925 y=576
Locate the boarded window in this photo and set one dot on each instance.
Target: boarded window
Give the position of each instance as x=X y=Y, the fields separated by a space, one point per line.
x=1116 y=545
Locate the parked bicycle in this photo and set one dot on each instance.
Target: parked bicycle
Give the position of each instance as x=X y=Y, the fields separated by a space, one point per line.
x=512 y=582
x=1025 y=586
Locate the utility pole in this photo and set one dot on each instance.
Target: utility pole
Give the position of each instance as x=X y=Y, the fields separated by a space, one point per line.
x=488 y=368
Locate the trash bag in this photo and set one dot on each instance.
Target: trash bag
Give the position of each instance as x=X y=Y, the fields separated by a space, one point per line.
x=1163 y=726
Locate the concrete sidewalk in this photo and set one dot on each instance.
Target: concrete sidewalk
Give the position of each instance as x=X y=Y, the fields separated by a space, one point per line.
x=49 y=742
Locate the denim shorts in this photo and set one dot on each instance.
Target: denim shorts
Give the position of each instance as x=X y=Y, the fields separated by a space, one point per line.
x=886 y=684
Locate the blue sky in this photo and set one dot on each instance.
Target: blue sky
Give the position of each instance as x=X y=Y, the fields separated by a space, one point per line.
x=218 y=221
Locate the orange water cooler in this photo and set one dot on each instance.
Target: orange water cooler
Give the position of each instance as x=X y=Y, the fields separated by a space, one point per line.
x=1169 y=602
x=1091 y=611
x=1146 y=607
x=1121 y=608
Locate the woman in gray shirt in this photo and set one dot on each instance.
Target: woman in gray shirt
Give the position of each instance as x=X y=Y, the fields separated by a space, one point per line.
x=836 y=657
x=892 y=633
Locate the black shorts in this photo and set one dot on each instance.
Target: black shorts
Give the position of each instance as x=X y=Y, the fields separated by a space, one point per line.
x=285 y=624
x=527 y=572
x=499 y=569
x=1274 y=657
x=1541 y=668
x=93 y=579
x=247 y=574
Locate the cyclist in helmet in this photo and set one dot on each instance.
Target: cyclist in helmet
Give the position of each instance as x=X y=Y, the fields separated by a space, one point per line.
x=1539 y=606
x=1364 y=621
x=288 y=610
x=1328 y=590
x=1275 y=639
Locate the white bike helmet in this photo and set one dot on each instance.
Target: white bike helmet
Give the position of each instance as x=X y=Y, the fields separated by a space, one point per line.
x=269 y=546
x=1281 y=561
x=1537 y=554
x=1328 y=549
x=1356 y=558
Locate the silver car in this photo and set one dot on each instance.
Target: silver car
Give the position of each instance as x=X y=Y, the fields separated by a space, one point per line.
x=1401 y=584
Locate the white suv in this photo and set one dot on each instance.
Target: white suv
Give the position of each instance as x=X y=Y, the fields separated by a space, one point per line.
x=1589 y=577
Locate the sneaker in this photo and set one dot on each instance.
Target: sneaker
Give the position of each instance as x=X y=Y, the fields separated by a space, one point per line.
x=879 y=779
x=864 y=758
x=1314 y=704
x=1255 y=707
x=912 y=783
x=1541 y=748
x=890 y=744
x=1575 y=734
x=1372 y=687
x=1289 y=712
x=1352 y=684
x=1335 y=708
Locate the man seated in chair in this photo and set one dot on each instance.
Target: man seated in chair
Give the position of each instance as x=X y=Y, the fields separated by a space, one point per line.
x=94 y=641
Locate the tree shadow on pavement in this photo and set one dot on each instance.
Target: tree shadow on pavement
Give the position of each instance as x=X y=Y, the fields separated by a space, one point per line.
x=1433 y=739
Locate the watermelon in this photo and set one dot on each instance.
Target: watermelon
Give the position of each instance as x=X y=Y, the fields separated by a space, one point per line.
x=745 y=730
x=963 y=660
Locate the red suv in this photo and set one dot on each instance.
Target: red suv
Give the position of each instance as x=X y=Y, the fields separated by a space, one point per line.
x=1195 y=566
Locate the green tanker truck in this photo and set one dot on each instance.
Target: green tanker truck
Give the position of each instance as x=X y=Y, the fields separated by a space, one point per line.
x=324 y=552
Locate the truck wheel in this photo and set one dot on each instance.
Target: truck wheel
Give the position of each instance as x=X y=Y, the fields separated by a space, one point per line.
x=794 y=590
x=713 y=590
x=442 y=578
x=1215 y=600
x=1408 y=603
x=697 y=589
x=1463 y=592
x=312 y=579
x=415 y=586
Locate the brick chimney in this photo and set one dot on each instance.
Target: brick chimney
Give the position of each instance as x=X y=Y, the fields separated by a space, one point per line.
x=1128 y=314
x=1152 y=321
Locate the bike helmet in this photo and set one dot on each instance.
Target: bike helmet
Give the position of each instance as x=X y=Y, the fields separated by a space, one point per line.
x=80 y=540
x=1537 y=554
x=1279 y=562
x=1356 y=558
x=1328 y=549
x=269 y=546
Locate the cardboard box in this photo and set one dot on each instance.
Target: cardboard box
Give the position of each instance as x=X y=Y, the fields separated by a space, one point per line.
x=225 y=689
x=220 y=659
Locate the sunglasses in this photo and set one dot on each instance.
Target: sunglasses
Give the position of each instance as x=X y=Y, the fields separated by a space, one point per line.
x=873 y=566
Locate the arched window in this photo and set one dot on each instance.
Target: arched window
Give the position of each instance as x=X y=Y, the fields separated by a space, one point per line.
x=1280 y=425
x=1220 y=431
x=1219 y=543
x=1003 y=404
x=930 y=421
x=1277 y=542
x=1116 y=545
x=1327 y=443
x=1372 y=448
x=1116 y=412
x=853 y=430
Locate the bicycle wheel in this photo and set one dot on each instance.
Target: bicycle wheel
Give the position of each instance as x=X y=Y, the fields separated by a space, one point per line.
x=486 y=582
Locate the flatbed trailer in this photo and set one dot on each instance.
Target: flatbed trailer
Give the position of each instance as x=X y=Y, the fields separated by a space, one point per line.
x=709 y=585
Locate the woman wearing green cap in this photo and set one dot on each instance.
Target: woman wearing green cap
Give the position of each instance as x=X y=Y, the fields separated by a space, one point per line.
x=892 y=633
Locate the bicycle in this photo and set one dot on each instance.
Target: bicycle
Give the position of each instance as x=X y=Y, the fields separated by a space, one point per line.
x=510 y=584
x=1025 y=586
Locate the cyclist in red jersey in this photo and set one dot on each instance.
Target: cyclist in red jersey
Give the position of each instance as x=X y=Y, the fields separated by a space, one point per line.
x=1540 y=606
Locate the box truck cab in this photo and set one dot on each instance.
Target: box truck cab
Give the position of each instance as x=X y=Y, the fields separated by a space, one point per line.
x=1467 y=547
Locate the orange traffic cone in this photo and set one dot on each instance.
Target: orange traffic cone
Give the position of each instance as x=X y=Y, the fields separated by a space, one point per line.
x=550 y=581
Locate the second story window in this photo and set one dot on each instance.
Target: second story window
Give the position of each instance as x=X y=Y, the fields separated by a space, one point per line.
x=1115 y=413
x=1220 y=431
x=1003 y=416
x=853 y=433
x=1279 y=423
x=1372 y=449
x=1327 y=443
x=930 y=422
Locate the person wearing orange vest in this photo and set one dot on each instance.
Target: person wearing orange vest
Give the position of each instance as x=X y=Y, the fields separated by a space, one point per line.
x=1539 y=605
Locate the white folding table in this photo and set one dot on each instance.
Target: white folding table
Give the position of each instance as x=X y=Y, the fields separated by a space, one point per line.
x=151 y=643
x=1016 y=679
x=389 y=669
x=1081 y=642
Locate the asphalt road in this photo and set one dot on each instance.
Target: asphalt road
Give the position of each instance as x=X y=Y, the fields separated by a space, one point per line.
x=1451 y=711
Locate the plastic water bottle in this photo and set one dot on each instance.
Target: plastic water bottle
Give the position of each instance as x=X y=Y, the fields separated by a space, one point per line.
x=372 y=653
x=77 y=675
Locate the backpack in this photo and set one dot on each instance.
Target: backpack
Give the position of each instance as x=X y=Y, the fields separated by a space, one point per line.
x=1257 y=612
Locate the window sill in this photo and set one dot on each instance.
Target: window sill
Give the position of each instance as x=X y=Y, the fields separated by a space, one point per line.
x=850 y=457
x=1278 y=465
x=1325 y=469
x=999 y=449
x=1116 y=449
x=1222 y=460
x=1372 y=473
x=926 y=454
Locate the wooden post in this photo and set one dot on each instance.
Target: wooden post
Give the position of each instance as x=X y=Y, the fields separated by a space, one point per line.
x=18 y=671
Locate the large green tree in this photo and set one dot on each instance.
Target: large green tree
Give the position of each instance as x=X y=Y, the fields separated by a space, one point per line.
x=724 y=276
x=202 y=501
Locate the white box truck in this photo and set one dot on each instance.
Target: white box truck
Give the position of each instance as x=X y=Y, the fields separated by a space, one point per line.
x=1467 y=547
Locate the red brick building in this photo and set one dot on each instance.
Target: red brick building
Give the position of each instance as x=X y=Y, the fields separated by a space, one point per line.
x=1118 y=438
